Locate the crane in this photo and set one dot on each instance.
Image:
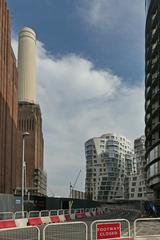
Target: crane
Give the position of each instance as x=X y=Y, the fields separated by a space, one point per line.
x=73 y=186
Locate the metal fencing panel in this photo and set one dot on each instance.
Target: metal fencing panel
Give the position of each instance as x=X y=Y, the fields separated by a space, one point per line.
x=110 y=229
x=147 y=229
x=29 y=233
x=66 y=231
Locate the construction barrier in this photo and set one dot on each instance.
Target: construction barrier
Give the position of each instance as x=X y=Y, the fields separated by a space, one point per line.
x=147 y=229
x=20 y=215
x=66 y=231
x=110 y=229
x=10 y=223
x=21 y=222
x=30 y=233
x=72 y=214
x=55 y=219
x=44 y=214
x=6 y=215
x=36 y=221
x=33 y=214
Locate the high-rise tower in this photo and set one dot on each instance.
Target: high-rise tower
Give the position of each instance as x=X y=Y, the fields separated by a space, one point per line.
x=29 y=118
x=152 y=95
x=8 y=104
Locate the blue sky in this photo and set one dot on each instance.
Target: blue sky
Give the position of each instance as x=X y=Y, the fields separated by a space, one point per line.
x=90 y=73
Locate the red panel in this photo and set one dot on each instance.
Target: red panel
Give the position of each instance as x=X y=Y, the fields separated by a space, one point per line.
x=80 y=215
x=34 y=221
x=55 y=219
x=67 y=216
x=7 y=224
x=108 y=230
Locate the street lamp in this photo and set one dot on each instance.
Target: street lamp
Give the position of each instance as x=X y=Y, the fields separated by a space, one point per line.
x=24 y=134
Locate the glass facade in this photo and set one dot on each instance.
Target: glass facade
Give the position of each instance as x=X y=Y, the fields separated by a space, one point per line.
x=152 y=93
x=109 y=161
x=147 y=4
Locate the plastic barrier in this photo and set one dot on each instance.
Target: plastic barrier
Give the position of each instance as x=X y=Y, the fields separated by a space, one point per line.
x=53 y=212
x=62 y=218
x=20 y=215
x=79 y=215
x=44 y=213
x=33 y=214
x=21 y=222
x=7 y=224
x=67 y=217
x=72 y=214
x=87 y=214
x=34 y=221
x=55 y=219
x=46 y=220
x=93 y=212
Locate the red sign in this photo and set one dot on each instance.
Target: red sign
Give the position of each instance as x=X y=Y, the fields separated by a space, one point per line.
x=108 y=231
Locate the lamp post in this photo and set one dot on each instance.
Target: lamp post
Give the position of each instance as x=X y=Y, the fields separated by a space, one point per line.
x=23 y=166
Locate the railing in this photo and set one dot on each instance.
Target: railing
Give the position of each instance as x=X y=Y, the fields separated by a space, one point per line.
x=147 y=228
x=31 y=233
x=66 y=231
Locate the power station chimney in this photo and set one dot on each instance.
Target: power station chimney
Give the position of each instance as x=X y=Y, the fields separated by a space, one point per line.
x=27 y=66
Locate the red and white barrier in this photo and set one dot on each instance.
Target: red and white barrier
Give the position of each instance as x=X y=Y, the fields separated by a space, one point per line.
x=21 y=222
x=55 y=219
x=36 y=221
x=9 y=223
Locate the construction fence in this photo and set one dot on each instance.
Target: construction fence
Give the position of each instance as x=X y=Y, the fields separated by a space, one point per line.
x=114 y=229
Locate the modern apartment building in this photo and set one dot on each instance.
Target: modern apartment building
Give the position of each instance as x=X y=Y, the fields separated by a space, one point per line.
x=137 y=181
x=152 y=95
x=29 y=119
x=109 y=162
x=8 y=104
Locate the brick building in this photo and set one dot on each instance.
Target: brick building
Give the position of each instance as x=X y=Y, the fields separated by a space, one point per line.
x=8 y=104
x=29 y=119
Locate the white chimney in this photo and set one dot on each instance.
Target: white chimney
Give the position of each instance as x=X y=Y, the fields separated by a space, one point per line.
x=27 y=66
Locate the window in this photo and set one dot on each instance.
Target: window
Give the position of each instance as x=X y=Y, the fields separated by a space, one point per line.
x=139 y=194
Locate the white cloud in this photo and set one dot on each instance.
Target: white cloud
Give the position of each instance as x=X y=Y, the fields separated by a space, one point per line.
x=78 y=102
x=108 y=15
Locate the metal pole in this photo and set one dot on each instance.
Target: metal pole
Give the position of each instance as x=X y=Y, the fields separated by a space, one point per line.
x=25 y=179
x=23 y=146
x=23 y=166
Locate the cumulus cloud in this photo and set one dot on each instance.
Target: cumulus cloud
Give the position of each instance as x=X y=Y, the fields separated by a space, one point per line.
x=108 y=15
x=78 y=102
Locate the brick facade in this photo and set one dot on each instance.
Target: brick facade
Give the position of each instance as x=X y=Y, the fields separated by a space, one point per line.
x=29 y=120
x=8 y=104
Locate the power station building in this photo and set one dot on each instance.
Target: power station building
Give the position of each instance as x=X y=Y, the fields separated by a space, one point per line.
x=152 y=95
x=8 y=104
x=29 y=119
